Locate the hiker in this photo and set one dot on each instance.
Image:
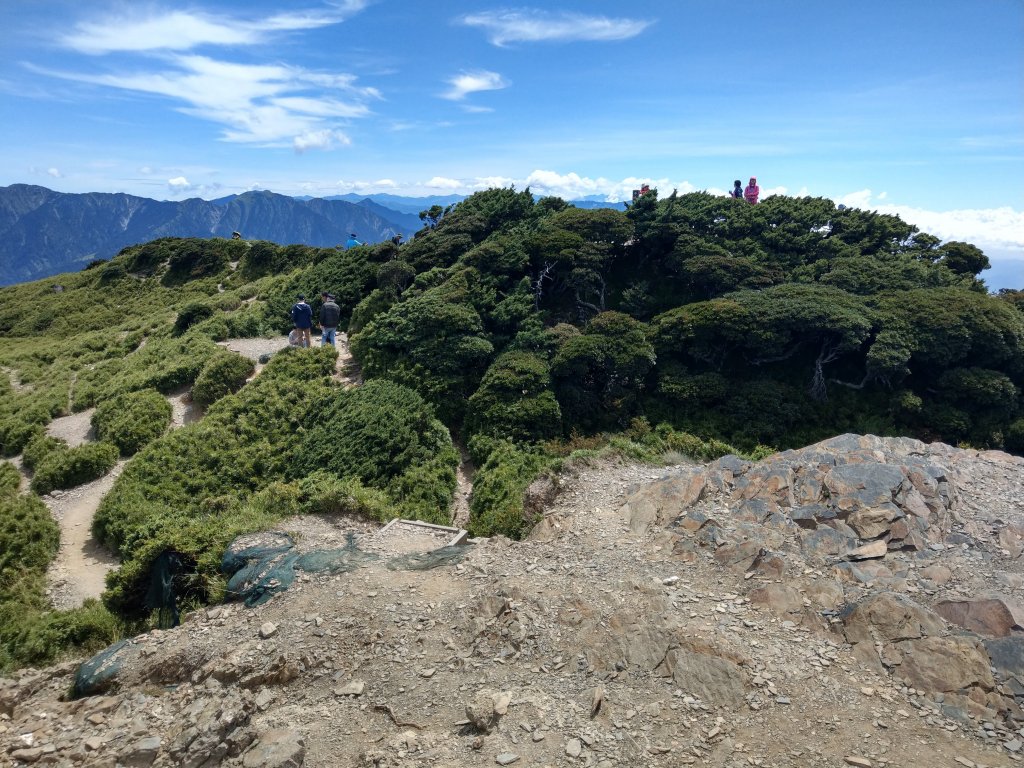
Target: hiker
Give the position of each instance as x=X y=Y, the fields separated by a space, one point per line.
x=302 y=317
x=330 y=313
x=352 y=241
x=752 y=191
x=396 y=240
x=737 y=189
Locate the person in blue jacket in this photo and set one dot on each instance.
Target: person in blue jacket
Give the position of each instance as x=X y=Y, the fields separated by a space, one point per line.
x=352 y=241
x=302 y=317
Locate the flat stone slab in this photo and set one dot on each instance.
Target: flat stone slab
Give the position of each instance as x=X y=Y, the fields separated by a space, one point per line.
x=402 y=536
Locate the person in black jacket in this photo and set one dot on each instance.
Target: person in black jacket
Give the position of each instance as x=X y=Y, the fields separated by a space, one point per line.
x=330 y=313
x=302 y=318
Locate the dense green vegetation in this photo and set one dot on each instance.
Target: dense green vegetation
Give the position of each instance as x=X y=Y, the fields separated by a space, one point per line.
x=534 y=331
x=132 y=420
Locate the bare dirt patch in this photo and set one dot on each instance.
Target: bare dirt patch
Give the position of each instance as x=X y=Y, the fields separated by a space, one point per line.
x=75 y=429
x=183 y=410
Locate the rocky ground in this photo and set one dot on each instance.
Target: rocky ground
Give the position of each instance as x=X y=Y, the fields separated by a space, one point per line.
x=855 y=603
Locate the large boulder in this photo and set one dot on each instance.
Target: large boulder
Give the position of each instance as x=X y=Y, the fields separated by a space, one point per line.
x=888 y=617
x=995 y=616
x=943 y=664
x=663 y=500
x=707 y=673
x=852 y=487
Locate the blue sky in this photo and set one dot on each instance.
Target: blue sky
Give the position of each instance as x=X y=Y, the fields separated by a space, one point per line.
x=910 y=106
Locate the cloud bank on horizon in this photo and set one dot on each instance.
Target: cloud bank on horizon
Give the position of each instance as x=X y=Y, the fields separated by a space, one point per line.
x=221 y=96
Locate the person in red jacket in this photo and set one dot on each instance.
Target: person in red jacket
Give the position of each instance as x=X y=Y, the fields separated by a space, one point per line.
x=752 y=191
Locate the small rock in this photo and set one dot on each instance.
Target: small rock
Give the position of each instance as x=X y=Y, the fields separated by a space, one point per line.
x=277 y=748
x=574 y=748
x=268 y=630
x=869 y=551
x=861 y=762
x=507 y=758
x=141 y=753
x=355 y=688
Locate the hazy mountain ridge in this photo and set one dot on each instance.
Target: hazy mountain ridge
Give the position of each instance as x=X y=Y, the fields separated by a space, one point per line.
x=44 y=233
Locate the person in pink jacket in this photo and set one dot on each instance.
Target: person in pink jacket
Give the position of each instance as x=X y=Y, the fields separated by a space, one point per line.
x=752 y=191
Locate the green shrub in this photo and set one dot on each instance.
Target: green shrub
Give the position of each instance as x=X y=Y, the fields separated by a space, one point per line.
x=29 y=537
x=132 y=420
x=324 y=493
x=16 y=432
x=1014 y=437
x=498 y=489
x=515 y=400
x=40 y=637
x=74 y=466
x=39 y=448
x=378 y=433
x=111 y=273
x=10 y=479
x=194 y=259
x=223 y=374
x=190 y=314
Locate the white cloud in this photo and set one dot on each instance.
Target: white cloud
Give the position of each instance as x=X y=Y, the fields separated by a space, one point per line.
x=994 y=227
x=325 y=139
x=183 y=30
x=178 y=184
x=440 y=182
x=262 y=103
x=55 y=173
x=534 y=25
x=572 y=186
x=472 y=82
x=859 y=199
x=365 y=187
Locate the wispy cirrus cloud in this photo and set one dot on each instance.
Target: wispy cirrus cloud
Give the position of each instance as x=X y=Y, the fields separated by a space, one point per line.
x=269 y=104
x=535 y=25
x=472 y=82
x=178 y=30
x=264 y=103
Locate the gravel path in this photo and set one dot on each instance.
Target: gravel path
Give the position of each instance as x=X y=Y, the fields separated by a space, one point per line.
x=80 y=569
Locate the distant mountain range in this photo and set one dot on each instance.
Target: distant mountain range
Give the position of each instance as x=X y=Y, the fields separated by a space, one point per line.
x=44 y=233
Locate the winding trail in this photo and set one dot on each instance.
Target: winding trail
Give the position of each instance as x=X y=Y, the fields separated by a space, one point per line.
x=80 y=569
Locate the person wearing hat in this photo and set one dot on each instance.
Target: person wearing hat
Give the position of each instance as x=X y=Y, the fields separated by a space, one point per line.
x=302 y=317
x=352 y=241
x=330 y=313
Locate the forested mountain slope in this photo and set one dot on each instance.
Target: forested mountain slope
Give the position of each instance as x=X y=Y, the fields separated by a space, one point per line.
x=43 y=232
x=529 y=329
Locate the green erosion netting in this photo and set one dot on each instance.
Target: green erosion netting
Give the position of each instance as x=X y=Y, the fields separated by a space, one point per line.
x=262 y=564
x=259 y=566
x=97 y=674
x=161 y=596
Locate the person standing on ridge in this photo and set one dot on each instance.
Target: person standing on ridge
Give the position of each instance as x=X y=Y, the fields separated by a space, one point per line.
x=737 y=189
x=302 y=317
x=352 y=241
x=330 y=313
x=752 y=191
